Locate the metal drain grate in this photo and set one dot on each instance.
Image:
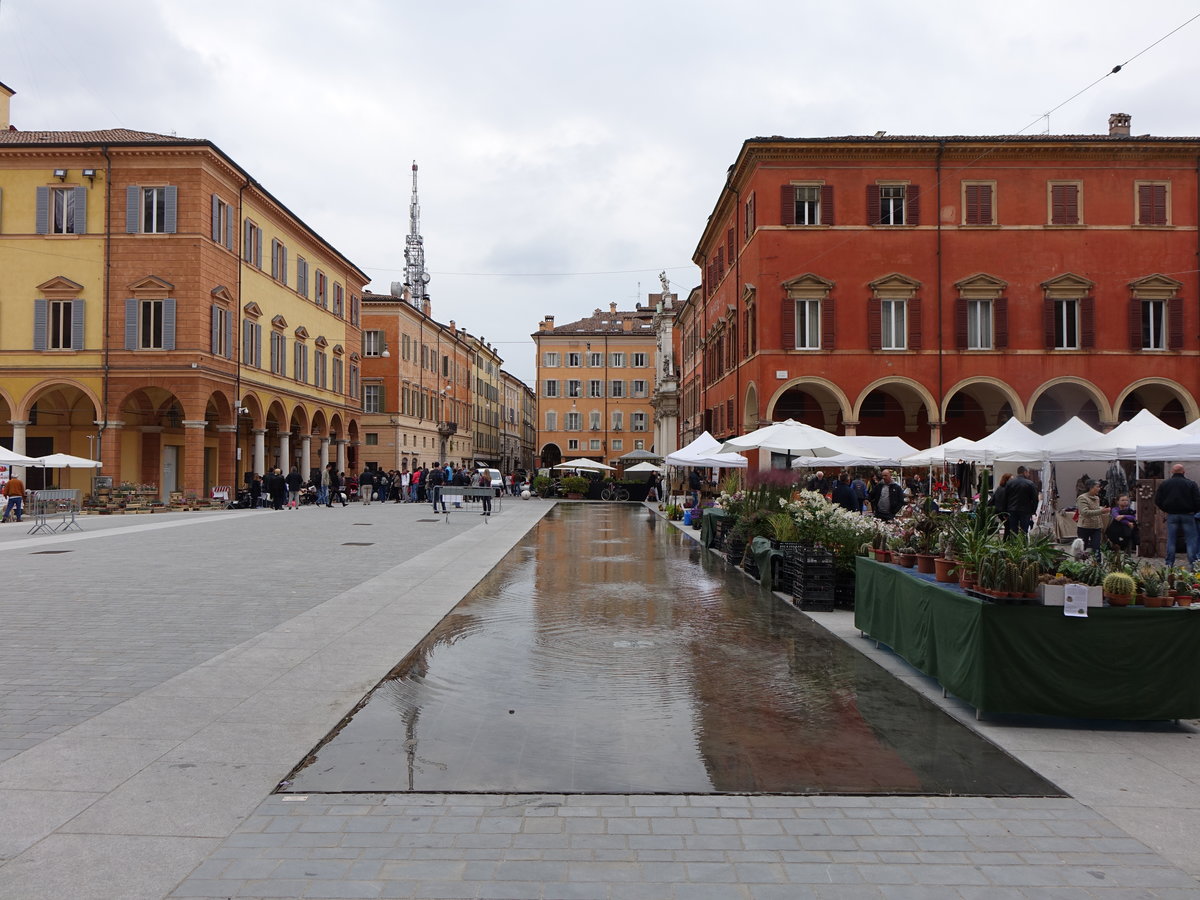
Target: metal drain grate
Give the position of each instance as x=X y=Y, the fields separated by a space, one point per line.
x=47 y=552
x=368 y=524
x=359 y=544
x=429 y=520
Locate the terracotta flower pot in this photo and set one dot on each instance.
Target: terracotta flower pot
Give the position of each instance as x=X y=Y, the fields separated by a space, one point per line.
x=925 y=563
x=908 y=560
x=1117 y=599
x=945 y=569
x=1184 y=599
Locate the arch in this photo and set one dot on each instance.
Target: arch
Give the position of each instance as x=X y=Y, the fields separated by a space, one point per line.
x=834 y=406
x=255 y=411
x=975 y=407
x=299 y=419
x=973 y=386
x=1155 y=390
x=21 y=410
x=1066 y=396
x=219 y=409
x=904 y=406
x=551 y=455
x=912 y=386
x=336 y=432
x=750 y=408
x=320 y=425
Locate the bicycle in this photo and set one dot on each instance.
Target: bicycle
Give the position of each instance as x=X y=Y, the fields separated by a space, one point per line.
x=613 y=491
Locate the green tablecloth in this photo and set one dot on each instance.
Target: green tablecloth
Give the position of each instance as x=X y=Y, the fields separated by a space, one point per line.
x=1118 y=663
x=708 y=525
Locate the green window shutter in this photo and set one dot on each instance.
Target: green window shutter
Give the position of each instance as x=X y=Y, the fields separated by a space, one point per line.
x=41 y=315
x=43 y=210
x=171 y=206
x=131 y=323
x=79 y=226
x=76 y=324
x=133 y=206
x=169 y=323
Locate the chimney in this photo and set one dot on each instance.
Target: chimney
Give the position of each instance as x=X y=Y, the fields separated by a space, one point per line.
x=627 y=325
x=5 y=93
x=427 y=307
x=1118 y=124
x=453 y=328
x=612 y=309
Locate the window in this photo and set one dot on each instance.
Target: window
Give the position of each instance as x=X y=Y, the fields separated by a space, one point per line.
x=58 y=325
x=977 y=203
x=551 y=420
x=278 y=261
x=616 y=388
x=595 y=388
x=618 y=420
x=1152 y=208
x=750 y=224
x=252 y=244
x=1154 y=324
x=372 y=343
x=61 y=210
x=300 y=362
x=891 y=204
x=302 y=277
x=222 y=222
x=278 y=351
x=322 y=297
x=573 y=443
x=158 y=210
x=372 y=398
x=979 y=324
x=339 y=300
x=617 y=360
x=639 y=445
x=353 y=386
x=807 y=204
x=320 y=369
x=573 y=359
x=251 y=343
x=637 y=388
x=637 y=421
x=1066 y=324
x=372 y=439
x=550 y=359
x=1064 y=203
x=638 y=360
x=594 y=420
x=894 y=328
x=336 y=381
x=596 y=360
x=618 y=444
x=550 y=388
x=574 y=388
x=594 y=444
x=222 y=332
x=574 y=421
x=808 y=324
x=150 y=324
x=354 y=306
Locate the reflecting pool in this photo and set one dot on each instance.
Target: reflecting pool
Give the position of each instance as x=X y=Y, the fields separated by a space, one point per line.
x=609 y=654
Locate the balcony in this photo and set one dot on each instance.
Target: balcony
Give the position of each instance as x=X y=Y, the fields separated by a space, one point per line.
x=447 y=428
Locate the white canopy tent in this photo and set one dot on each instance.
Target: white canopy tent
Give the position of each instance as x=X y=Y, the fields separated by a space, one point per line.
x=943 y=454
x=1011 y=437
x=585 y=464
x=1144 y=429
x=1073 y=437
x=793 y=438
x=645 y=467
x=705 y=452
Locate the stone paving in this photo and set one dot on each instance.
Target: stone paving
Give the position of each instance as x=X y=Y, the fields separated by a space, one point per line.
x=157 y=682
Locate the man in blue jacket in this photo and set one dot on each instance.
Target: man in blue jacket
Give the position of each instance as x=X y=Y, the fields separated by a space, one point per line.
x=1179 y=497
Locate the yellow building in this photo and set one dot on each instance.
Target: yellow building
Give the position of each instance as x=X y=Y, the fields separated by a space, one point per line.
x=161 y=311
x=594 y=383
x=487 y=401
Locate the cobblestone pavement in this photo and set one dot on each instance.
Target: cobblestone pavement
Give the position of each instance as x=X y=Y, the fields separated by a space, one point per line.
x=160 y=678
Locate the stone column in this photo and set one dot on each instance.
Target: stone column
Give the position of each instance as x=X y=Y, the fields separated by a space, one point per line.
x=341 y=455
x=285 y=451
x=227 y=458
x=935 y=433
x=324 y=452
x=260 y=450
x=151 y=466
x=18 y=443
x=850 y=427
x=305 y=455
x=193 y=458
x=109 y=450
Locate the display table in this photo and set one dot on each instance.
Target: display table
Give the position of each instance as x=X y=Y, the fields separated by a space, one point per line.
x=708 y=524
x=1118 y=663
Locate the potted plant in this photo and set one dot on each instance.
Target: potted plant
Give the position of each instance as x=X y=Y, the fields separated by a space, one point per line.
x=905 y=556
x=1119 y=588
x=1152 y=588
x=574 y=486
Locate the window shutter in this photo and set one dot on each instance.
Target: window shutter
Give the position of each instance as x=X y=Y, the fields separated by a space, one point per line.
x=720 y=262
x=787 y=205
x=257 y=345
x=985 y=204
x=730 y=237
x=229 y=231
x=729 y=413
x=131 y=323
x=133 y=194
x=827 y=204
x=960 y=323
x=1135 y=324
x=257 y=247
x=1152 y=204
x=41 y=316
x=875 y=323
x=873 y=206
x=787 y=323
x=1048 y=322
x=80 y=224
x=914 y=323
x=828 y=324
x=1175 y=324
x=283 y=279
x=971 y=213
x=169 y=323
x=1064 y=204
x=1087 y=323
x=216 y=218
x=1000 y=323
x=214 y=329
x=912 y=205
x=171 y=207
x=76 y=324
x=43 y=210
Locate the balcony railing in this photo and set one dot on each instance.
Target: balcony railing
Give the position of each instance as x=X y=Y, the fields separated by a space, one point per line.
x=447 y=428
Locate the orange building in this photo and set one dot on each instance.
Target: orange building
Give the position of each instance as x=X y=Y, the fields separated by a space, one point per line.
x=930 y=287
x=166 y=314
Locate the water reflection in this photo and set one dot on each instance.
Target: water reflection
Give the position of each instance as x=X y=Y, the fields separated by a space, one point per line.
x=604 y=655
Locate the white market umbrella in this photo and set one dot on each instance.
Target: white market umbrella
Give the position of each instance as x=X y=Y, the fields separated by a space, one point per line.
x=644 y=467
x=66 y=461
x=791 y=437
x=9 y=458
x=640 y=455
x=705 y=453
x=584 y=464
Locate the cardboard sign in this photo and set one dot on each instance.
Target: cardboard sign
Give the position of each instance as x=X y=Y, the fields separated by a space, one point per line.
x=1075 y=600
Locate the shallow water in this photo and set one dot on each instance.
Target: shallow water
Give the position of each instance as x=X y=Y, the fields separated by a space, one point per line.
x=609 y=653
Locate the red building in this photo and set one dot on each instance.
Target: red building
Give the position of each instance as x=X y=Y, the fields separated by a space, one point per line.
x=931 y=287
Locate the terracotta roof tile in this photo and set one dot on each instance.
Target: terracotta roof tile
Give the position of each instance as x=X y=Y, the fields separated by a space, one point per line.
x=607 y=323
x=105 y=136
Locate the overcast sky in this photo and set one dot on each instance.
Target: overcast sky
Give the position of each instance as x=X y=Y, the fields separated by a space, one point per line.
x=569 y=151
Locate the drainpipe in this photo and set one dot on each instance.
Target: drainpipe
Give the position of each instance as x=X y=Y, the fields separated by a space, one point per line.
x=938 y=223
x=105 y=301
x=237 y=382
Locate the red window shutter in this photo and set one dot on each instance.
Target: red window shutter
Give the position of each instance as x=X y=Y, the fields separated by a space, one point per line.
x=827 y=204
x=979 y=204
x=745 y=332
x=1175 y=324
x=828 y=323
x=751 y=224
x=960 y=323
x=1000 y=323
x=1048 y=322
x=914 y=324
x=1135 y=324
x=971 y=197
x=720 y=263
x=1152 y=204
x=729 y=413
x=730 y=237
x=1064 y=204
x=787 y=323
x=787 y=203
x=875 y=323
x=1087 y=323
x=872 y=204
x=912 y=205
x=985 y=204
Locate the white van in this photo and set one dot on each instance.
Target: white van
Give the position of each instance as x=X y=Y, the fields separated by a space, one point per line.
x=496 y=477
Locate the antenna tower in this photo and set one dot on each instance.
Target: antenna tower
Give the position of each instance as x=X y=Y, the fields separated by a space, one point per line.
x=415 y=276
